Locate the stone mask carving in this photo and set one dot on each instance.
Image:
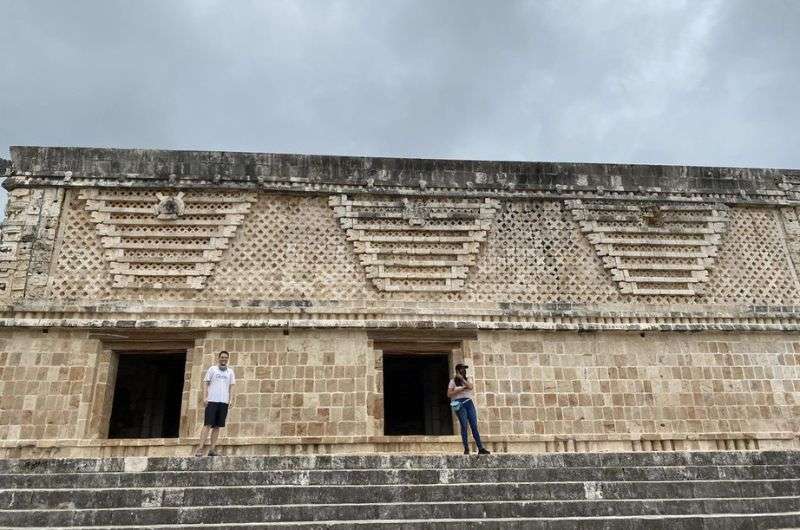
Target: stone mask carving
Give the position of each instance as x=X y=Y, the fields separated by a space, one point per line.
x=169 y=207
x=414 y=213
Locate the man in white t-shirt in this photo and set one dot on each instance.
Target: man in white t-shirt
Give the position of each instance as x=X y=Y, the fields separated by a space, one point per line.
x=217 y=397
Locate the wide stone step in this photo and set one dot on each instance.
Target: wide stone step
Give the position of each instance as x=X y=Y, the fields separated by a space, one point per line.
x=387 y=511
x=351 y=494
x=746 y=489
x=757 y=521
x=390 y=476
x=715 y=458
x=219 y=478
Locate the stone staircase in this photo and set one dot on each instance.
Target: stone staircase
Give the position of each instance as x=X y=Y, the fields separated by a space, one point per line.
x=675 y=490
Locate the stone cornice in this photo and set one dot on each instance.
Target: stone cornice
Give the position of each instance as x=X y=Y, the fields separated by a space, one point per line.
x=285 y=314
x=89 y=167
x=761 y=197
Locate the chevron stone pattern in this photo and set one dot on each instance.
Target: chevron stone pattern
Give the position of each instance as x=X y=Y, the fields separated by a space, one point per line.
x=416 y=244
x=653 y=248
x=165 y=240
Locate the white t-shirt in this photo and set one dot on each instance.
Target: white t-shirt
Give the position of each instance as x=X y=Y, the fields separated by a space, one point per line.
x=466 y=393
x=220 y=384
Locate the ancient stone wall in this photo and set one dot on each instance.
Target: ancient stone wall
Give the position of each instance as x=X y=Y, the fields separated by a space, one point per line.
x=303 y=385
x=47 y=383
x=571 y=289
x=322 y=389
x=663 y=387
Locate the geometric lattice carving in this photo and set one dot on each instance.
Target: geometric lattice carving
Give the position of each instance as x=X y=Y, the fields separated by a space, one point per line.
x=165 y=240
x=292 y=247
x=653 y=248
x=416 y=244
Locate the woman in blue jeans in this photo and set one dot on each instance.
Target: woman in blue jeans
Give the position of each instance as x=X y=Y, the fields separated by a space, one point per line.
x=460 y=389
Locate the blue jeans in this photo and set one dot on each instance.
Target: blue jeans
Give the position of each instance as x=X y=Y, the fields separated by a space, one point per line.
x=468 y=414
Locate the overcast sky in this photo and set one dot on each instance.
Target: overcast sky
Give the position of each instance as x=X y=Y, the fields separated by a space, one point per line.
x=674 y=82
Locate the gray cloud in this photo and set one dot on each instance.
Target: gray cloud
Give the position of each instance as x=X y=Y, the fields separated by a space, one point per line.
x=675 y=82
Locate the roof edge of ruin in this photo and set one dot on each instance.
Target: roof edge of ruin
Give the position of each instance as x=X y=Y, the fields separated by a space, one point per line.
x=220 y=166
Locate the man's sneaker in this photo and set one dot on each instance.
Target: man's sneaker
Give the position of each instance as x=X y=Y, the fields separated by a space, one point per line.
x=466 y=451
x=483 y=451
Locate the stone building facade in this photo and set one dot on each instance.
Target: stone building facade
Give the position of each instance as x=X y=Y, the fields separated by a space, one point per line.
x=600 y=307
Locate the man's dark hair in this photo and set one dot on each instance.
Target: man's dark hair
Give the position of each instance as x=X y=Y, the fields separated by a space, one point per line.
x=220 y=354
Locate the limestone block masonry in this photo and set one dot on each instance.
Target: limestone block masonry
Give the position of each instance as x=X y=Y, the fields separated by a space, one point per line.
x=601 y=307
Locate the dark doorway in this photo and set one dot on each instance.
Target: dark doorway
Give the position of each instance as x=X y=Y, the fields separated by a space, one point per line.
x=415 y=394
x=147 y=395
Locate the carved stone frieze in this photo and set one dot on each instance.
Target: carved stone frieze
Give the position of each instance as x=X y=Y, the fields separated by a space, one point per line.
x=791 y=226
x=416 y=244
x=790 y=184
x=27 y=237
x=653 y=247
x=165 y=240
